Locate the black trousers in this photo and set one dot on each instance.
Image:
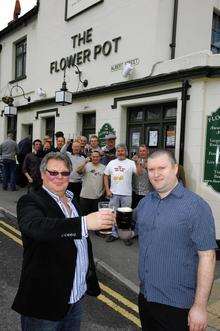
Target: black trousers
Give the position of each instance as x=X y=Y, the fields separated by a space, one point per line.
x=159 y=317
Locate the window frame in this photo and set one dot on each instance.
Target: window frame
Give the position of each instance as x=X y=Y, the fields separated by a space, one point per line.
x=21 y=57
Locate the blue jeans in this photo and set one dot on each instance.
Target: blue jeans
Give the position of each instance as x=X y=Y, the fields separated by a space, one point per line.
x=70 y=322
x=119 y=201
x=9 y=174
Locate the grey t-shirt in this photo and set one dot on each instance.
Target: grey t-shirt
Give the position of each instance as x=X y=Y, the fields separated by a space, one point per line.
x=92 y=185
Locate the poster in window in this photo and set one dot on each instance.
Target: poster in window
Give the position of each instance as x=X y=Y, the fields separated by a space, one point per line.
x=135 y=139
x=170 y=138
x=74 y=7
x=153 y=138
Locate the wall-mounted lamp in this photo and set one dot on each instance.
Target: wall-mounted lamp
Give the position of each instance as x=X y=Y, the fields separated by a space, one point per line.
x=127 y=69
x=63 y=96
x=10 y=109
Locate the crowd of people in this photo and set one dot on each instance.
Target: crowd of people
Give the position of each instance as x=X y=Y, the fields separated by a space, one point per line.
x=98 y=173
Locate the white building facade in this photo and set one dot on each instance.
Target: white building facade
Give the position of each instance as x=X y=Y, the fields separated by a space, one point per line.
x=153 y=73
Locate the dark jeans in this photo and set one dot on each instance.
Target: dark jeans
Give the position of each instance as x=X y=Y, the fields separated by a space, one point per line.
x=88 y=206
x=70 y=322
x=76 y=189
x=9 y=174
x=158 y=317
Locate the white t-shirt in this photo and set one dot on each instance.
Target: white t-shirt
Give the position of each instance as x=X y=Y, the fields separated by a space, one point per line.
x=120 y=172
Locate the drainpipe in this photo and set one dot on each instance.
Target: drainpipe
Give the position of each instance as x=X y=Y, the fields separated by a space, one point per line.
x=184 y=98
x=173 y=42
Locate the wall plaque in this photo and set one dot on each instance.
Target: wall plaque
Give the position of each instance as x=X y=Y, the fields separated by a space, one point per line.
x=75 y=7
x=212 y=152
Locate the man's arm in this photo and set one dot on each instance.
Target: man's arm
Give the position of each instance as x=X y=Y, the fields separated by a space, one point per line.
x=198 y=316
x=106 y=184
x=34 y=222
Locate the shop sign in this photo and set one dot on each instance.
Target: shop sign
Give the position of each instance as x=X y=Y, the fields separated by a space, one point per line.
x=85 y=55
x=104 y=131
x=212 y=153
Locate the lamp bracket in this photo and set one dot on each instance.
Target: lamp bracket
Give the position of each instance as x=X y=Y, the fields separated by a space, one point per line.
x=23 y=93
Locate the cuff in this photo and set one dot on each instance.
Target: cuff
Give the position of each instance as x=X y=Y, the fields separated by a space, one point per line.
x=84 y=227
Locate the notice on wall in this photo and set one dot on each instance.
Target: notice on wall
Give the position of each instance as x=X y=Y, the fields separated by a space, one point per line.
x=212 y=152
x=153 y=138
x=135 y=140
x=170 y=138
x=74 y=7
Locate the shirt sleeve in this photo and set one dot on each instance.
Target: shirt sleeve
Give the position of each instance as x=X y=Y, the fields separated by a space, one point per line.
x=202 y=226
x=107 y=170
x=84 y=227
x=134 y=168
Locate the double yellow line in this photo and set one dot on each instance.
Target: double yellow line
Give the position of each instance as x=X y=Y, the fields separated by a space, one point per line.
x=113 y=299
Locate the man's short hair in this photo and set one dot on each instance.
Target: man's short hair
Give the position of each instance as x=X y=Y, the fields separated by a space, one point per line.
x=96 y=151
x=161 y=152
x=10 y=135
x=93 y=136
x=122 y=146
x=55 y=156
x=37 y=140
x=59 y=134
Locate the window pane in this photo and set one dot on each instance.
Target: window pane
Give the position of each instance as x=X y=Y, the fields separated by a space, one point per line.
x=19 y=67
x=154 y=113
x=136 y=115
x=170 y=112
x=215 y=44
x=20 y=59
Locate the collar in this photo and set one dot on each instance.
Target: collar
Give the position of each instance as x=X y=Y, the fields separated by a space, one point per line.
x=177 y=192
x=56 y=197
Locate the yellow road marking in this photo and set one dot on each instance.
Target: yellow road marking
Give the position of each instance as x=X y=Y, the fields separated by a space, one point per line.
x=119 y=297
x=10 y=235
x=120 y=310
x=105 y=288
x=11 y=228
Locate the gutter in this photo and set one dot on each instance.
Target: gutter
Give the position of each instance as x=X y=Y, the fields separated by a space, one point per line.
x=174 y=25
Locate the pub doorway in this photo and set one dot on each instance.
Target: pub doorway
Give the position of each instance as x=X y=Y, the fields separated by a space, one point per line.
x=153 y=125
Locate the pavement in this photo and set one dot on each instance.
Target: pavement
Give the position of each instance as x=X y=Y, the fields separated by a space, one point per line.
x=118 y=260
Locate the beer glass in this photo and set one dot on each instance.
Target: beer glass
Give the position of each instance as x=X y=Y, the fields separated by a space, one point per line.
x=102 y=207
x=124 y=218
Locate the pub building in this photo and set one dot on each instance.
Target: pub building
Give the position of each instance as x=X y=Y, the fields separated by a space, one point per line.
x=148 y=71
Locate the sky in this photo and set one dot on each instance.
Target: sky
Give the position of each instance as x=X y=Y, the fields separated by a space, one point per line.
x=7 y=10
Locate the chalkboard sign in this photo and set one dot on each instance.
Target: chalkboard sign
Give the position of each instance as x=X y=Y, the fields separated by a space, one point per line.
x=212 y=153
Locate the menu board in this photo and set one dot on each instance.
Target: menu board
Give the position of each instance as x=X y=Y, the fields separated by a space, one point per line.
x=212 y=152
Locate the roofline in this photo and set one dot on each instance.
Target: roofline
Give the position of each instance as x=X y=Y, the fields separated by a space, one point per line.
x=177 y=76
x=13 y=25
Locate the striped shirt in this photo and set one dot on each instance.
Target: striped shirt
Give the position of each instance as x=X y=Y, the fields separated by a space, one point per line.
x=79 y=282
x=171 y=232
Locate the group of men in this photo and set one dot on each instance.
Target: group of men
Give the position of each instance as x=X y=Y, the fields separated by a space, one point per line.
x=176 y=235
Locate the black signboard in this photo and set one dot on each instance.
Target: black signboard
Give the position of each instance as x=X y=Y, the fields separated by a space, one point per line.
x=212 y=153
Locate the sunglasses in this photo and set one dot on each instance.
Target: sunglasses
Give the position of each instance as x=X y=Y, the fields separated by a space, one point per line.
x=57 y=173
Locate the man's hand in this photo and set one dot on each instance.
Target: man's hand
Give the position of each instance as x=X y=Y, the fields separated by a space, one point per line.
x=100 y=221
x=109 y=193
x=197 y=318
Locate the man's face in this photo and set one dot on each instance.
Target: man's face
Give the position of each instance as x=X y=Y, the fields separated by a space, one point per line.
x=83 y=141
x=121 y=153
x=94 y=142
x=37 y=146
x=162 y=174
x=95 y=157
x=60 y=142
x=76 y=147
x=47 y=145
x=110 y=143
x=55 y=184
x=143 y=152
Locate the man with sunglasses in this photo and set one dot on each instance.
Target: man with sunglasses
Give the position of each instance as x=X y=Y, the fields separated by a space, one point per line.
x=58 y=267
